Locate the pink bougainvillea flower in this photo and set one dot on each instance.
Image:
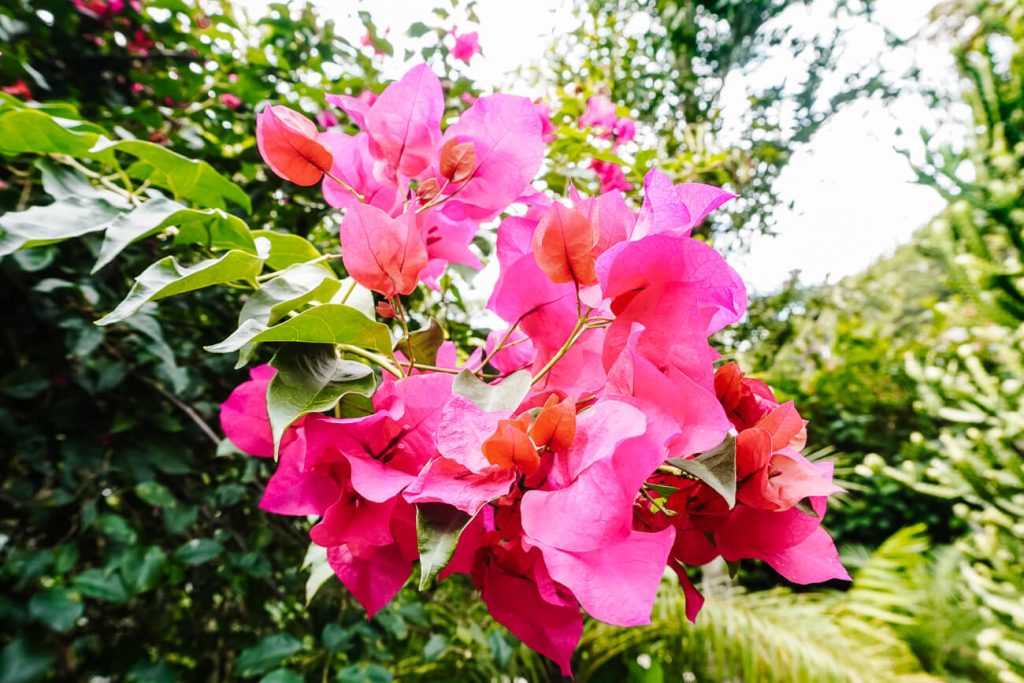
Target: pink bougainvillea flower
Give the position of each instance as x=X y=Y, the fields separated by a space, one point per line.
x=466 y=45
x=366 y=179
x=547 y=128
x=675 y=209
x=382 y=253
x=600 y=114
x=403 y=123
x=792 y=542
x=505 y=134
x=230 y=100
x=326 y=119
x=613 y=570
x=611 y=176
x=243 y=416
x=624 y=130
x=563 y=245
x=745 y=400
x=516 y=586
x=18 y=89
x=290 y=145
x=772 y=473
x=516 y=354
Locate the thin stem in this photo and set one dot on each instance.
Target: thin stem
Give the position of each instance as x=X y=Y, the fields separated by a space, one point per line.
x=351 y=288
x=396 y=303
x=450 y=371
x=577 y=332
x=185 y=408
x=345 y=185
x=89 y=173
x=500 y=345
x=380 y=360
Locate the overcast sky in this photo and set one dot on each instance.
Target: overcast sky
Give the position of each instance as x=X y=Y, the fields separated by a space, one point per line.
x=852 y=193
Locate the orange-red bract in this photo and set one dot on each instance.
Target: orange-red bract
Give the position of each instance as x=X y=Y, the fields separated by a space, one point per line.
x=510 y=446
x=555 y=426
x=563 y=245
x=290 y=145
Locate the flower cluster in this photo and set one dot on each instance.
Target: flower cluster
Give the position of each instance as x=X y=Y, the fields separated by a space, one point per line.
x=591 y=443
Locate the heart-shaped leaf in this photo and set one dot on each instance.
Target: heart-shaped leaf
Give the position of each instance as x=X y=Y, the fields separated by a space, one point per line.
x=504 y=396
x=311 y=378
x=716 y=468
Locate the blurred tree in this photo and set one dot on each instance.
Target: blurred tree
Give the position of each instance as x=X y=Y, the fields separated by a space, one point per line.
x=670 y=62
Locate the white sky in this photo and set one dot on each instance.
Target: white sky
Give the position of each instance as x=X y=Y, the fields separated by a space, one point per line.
x=853 y=196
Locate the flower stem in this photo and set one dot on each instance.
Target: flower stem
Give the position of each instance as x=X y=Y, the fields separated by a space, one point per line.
x=380 y=360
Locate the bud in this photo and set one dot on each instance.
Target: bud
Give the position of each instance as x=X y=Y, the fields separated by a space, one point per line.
x=385 y=309
x=458 y=160
x=427 y=190
x=290 y=145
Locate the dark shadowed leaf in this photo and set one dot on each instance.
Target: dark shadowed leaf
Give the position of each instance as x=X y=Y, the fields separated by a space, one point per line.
x=64 y=219
x=438 y=527
x=424 y=344
x=56 y=607
x=716 y=468
x=311 y=378
x=266 y=655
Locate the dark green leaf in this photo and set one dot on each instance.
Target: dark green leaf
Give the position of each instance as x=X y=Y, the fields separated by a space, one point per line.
x=155 y=494
x=166 y=278
x=56 y=607
x=101 y=584
x=438 y=527
x=282 y=676
x=116 y=528
x=311 y=378
x=21 y=662
x=506 y=396
x=266 y=654
x=141 y=568
x=25 y=383
x=370 y=673
x=424 y=344
x=198 y=551
x=417 y=29
x=716 y=468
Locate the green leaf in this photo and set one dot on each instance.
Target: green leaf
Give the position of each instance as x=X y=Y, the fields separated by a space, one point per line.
x=64 y=219
x=417 y=29
x=101 y=584
x=324 y=324
x=25 y=383
x=435 y=647
x=493 y=397
x=198 y=551
x=166 y=278
x=438 y=527
x=716 y=468
x=424 y=344
x=56 y=607
x=21 y=662
x=319 y=570
x=291 y=289
x=141 y=568
x=116 y=528
x=287 y=250
x=213 y=228
x=282 y=676
x=155 y=494
x=187 y=178
x=805 y=507
x=369 y=673
x=35 y=132
x=266 y=654
x=311 y=378
x=62 y=182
